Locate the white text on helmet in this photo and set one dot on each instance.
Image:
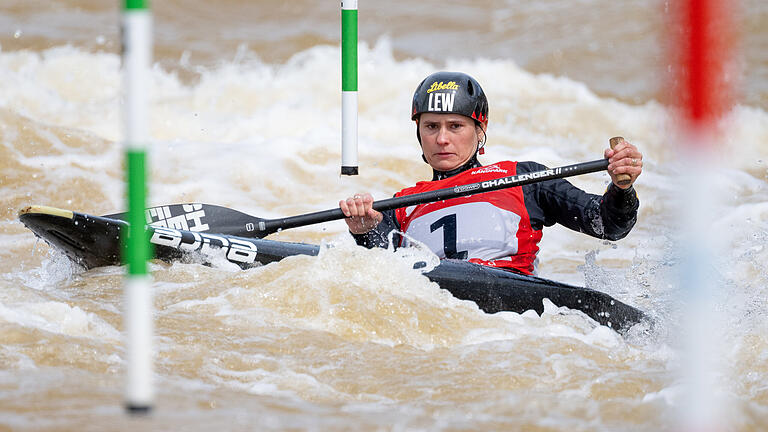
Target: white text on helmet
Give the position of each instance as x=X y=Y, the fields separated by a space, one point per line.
x=441 y=101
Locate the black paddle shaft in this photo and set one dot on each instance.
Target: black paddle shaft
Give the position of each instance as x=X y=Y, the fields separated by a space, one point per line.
x=268 y=226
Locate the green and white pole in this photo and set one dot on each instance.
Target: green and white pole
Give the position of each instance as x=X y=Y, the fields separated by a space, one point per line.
x=349 y=87
x=137 y=55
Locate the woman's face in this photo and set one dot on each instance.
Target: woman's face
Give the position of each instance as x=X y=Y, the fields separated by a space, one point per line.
x=448 y=140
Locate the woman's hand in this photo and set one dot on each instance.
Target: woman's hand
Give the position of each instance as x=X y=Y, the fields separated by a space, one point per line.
x=361 y=217
x=624 y=159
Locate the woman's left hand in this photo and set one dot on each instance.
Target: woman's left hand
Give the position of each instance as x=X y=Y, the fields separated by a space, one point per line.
x=624 y=159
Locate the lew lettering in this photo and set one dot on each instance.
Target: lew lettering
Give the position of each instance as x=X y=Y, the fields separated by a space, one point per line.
x=441 y=101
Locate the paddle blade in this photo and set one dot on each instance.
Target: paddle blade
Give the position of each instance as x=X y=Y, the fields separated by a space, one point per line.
x=198 y=217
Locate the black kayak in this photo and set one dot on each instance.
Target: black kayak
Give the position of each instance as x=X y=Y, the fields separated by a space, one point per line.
x=94 y=241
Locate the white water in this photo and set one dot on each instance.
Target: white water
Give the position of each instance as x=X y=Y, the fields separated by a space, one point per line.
x=352 y=339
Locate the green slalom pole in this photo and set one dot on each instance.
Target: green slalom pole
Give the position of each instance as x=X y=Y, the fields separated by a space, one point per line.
x=349 y=87
x=137 y=55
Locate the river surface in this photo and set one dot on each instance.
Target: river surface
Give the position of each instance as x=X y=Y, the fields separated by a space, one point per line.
x=245 y=111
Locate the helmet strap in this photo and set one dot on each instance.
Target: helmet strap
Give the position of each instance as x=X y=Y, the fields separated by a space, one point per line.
x=481 y=143
x=418 y=135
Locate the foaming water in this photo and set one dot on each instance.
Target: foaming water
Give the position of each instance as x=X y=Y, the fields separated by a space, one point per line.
x=352 y=336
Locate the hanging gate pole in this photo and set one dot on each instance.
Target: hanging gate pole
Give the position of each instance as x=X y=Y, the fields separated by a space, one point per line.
x=137 y=40
x=349 y=87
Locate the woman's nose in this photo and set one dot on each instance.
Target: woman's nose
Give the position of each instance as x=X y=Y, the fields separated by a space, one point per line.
x=442 y=136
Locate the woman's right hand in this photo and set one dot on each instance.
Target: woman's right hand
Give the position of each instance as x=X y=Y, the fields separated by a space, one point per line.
x=361 y=217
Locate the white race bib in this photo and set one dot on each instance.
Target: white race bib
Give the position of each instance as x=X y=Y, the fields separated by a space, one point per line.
x=465 y=231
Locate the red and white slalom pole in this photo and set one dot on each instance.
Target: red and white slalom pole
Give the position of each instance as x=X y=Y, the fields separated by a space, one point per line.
x=703 y=56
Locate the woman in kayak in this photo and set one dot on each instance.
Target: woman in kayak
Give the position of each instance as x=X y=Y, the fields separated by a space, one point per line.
x=501 y=228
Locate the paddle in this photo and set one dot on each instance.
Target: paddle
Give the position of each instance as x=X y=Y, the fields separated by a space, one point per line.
x=221 y=220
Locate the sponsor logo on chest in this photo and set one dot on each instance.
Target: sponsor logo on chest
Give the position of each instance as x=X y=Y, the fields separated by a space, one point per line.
x=489 y=169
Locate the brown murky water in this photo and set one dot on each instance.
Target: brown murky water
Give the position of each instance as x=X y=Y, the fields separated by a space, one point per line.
x=245 y=109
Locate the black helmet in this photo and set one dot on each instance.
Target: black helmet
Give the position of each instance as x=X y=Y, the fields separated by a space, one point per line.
x=450 y=92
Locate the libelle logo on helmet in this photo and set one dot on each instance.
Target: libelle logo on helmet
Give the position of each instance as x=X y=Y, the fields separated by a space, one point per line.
x=442 y=100
x=442 y=86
